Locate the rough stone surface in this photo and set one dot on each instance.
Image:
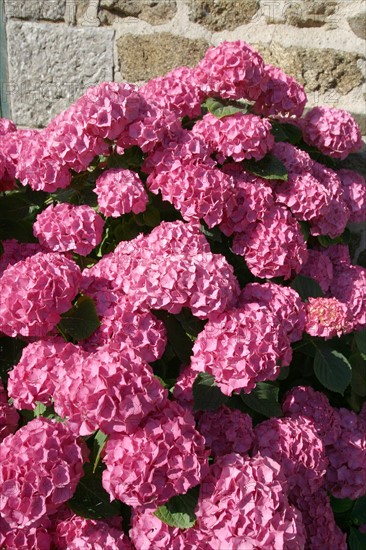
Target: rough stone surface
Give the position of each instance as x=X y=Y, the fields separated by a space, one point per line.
x=50 y=66
x=52 y=10
x=319 y=70
x=299 y=13
x=358 y=24
x=217 y=15
x=154 y=12
x=142 y=57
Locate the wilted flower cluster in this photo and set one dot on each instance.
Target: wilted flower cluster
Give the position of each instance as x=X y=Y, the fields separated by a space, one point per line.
x=176 y=273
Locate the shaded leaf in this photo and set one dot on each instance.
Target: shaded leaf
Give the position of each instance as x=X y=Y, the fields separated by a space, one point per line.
x=358 y=382
x=332 y=369
x=179 y=510
x=356 y=540
x=207 y=396
x=81 y=320
x=306 y=287
x=221 y=108
x=177 y=337
x=263 y=399
x=360 y=339
x=283 y=131
x=359 y=511
x=269 y=168
x=341 y=505
x=14 y=207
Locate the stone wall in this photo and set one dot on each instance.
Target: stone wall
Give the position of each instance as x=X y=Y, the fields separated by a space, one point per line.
x=57 y=48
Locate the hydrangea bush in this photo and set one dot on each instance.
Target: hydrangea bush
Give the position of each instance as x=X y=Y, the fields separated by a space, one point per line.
x=183 y=326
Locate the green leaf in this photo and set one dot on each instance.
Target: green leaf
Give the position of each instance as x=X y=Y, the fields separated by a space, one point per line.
x=100 y=440
x=332 y=369
x=359 y=511
x=151 y=217
x=207 y=396
x=179 y=510
x=177 y=337
x=39 y=410
x=360 y=339
x=90 y=499
x=263 y=399
x=283 y=131
x=14 y=207
x=306 y=287
x=221 y=108
x=269 y=168
x=358 y=374
x=356 y=540
x=81 y=320
x=341 y=505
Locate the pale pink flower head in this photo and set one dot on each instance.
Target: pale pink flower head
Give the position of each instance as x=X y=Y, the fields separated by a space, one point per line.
x=29 y=493
x=197 y=189
x=165 y=456
x=274 y=247
x=296 y=446
x=14 y=251
x=231 y=70
x=226 y=431
x=240 y=136
x=282 y=301
x=321 y=530
x=247 y=203
x=333 y=131
x=296 y=160
x=243 y=504
x=6 y=126
x=280 y=94
x=346 y=473
x=9 y=417
x=305 y=401
x=177 y=91
x=319 y=267
x=33 y=379
x=327 y=318
x=354 y=193
x=35 y=292
x=63 y=227
x=78 y=533
x=240 y=348
x=111 y=389
x=119 y=192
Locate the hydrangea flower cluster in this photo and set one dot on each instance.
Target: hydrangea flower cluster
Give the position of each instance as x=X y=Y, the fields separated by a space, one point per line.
x=178 y=271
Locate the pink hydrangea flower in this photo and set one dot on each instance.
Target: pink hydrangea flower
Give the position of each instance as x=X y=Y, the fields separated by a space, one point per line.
x=120 y=191
x=35 y=292
x=319 y=267
x=296 y=446
x=282 y=301
x=9 y=417
x=247 y=203
x=349 y=287
x=327 y=318
x=111 y=389
x=240 y=136
x=122 y=323
x=177 y=91
x=14 y=251
x=231 y=70
x=184 y=273
x=354 y=193
x=35 y=538
x=33 y=379
x=76 y=533
x=274 y=247
x=320 y=527
x=280 y=94
x=333 y=131
x=29 y=493
x=163 y=457
x=240 y=348
x=183 y=389
x=6 y=126
x=64 y=227
x=198 y=190
x=296 y=160
x=226 y=431
x=346 y=473
x=243 y=503
x=305 y=401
